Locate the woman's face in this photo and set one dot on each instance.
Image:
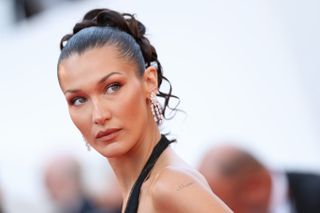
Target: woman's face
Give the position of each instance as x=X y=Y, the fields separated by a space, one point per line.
x=107 y=99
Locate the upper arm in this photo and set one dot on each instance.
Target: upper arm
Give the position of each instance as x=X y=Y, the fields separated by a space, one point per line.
x=176 y=190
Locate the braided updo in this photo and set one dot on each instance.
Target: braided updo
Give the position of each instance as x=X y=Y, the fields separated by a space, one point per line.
x=104 y=26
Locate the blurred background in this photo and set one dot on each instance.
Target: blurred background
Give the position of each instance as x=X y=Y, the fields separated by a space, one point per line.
x=247 y=73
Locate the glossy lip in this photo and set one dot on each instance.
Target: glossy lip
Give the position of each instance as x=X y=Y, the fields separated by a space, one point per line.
x=107 y=135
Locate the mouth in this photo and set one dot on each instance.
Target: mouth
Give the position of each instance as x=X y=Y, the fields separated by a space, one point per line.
x=107 y=135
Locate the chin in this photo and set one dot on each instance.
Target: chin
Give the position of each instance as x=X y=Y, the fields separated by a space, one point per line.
x=111 y=151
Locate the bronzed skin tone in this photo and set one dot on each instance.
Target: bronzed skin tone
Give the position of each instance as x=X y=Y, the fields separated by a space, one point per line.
x=104 y=91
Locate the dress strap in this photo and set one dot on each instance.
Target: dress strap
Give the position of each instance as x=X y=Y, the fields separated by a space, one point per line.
x=133 y=201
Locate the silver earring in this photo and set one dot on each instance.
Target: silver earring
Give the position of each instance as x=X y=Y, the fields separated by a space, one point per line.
x=87 y=144
x=156 y=108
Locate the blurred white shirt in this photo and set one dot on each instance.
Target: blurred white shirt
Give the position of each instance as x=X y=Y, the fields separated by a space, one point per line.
x=280 y=201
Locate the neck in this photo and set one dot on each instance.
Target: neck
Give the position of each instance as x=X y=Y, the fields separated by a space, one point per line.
x=128 y=167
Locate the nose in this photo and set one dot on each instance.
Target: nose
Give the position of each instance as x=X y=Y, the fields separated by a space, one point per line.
x=100 y=112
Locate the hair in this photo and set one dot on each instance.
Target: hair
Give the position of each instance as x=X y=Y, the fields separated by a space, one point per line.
x=101 y=27
x=241 y=164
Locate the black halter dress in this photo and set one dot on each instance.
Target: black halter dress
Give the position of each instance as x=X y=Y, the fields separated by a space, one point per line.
x=133 y=201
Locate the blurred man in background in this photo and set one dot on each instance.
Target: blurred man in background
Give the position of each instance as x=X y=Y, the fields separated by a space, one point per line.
x=65 y=185
x=247 y=186
x=62 y=177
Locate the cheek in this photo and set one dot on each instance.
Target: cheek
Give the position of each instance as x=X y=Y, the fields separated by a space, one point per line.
x=133 y=107
x=81 y=121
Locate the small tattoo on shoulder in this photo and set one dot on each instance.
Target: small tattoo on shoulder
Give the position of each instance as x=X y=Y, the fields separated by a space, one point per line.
x=183 y=185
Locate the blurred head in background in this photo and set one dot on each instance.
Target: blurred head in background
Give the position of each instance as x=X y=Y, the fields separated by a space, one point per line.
x=238 y=178
x=62 y=177
x=247 y=186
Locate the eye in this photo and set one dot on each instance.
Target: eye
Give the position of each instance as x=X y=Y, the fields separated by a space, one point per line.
x=112 y=88
x=76 y=101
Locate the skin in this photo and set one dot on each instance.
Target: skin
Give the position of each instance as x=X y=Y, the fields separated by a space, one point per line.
x=122 y=101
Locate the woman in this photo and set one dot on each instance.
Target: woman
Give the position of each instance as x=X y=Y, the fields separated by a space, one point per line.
x=110 y=75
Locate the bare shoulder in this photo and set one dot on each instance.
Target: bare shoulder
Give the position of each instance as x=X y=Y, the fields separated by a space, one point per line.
x=182 y=189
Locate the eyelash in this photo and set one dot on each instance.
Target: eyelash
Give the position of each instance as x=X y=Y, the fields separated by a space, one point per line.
x=118 y=85
x=74 y=99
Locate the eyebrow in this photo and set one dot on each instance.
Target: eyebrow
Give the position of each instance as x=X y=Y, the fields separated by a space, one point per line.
x=103 y=79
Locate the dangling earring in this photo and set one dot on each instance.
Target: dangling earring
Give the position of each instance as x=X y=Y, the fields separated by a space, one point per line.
x=87 y=144
x=156 y=108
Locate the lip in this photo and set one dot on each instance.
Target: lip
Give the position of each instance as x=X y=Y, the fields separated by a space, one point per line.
x=107 y=135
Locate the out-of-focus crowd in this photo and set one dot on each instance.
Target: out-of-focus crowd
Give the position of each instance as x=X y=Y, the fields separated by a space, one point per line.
x=246 y=185
x=234 y=174
x=64 y=183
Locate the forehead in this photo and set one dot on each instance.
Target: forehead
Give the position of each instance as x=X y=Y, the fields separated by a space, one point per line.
x=218 y=157
x=92 y=64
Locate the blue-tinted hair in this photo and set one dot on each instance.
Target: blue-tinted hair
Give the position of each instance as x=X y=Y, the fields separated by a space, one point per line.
x=97 y=36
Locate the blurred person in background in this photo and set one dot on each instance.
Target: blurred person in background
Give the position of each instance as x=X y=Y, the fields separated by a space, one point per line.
x=247 y=186
x=25 y=9
x=63 y=180
x=110 y=75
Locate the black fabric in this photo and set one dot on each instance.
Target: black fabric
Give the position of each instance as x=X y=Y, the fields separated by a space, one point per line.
x=133 y=201
x=304 y=192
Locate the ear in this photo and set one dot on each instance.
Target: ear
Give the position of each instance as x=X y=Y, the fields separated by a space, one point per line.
x=150 y=77
x=258 y=188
